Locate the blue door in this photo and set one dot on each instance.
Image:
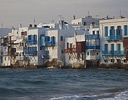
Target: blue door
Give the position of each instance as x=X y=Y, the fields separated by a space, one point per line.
x=119 y=49
x=112 y=33
x=106 y=48
x=112 y=49
x=125 y=30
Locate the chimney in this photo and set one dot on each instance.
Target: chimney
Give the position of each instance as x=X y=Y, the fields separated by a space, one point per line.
x=30 y=25
x=35 y=25
x=74 y=17
x=20 y=25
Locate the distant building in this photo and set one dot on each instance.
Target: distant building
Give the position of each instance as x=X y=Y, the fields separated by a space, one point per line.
x=4 y=49
x=84 y=23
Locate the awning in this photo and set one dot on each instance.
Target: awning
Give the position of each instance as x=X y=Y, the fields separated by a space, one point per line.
x=18 y=41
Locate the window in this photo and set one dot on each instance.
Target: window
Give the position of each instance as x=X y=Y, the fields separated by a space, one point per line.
x=112 y=48
x=47 y=38
x=112 y=60
x=67 y=45
x=106 y=31
x=79 y=22
x=118 y=60
x=105 y=60
x=35 y=37
x=53 y=40
x=62 y=51
x=61 y=38
x=29 y=37
x=93 y=23
x=98 y=32
x=40 y=48
x=118 y=30
x=125 y=30
x=84 y=23
x=119 y=48
x=125 y=60
x=106 y=48
x=87 y=53
x=70 y=45
x=93 y=32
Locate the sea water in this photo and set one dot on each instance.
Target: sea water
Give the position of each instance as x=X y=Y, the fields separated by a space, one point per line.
x=63 y=84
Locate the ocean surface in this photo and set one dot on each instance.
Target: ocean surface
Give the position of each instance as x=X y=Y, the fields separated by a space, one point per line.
x=63 y=84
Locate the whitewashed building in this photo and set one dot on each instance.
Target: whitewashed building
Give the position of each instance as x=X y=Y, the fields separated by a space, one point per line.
x=75 y=51
x=84 y=23
x=53 y=42
x=4 y=48
x=111 y=40
x=93 y=44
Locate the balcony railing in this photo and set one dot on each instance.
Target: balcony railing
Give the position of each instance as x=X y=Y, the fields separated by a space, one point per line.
x=69 y=50
x=114 y=38
x=5 y=53
x=49 y=43
x=113 y=53
x=31 y=42
x=46 y=56
x=31 y=53
x=92 y=36
x=92 y=47
x=20 y=58
x=21 y=48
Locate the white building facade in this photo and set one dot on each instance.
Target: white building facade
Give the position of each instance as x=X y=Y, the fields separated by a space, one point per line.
x=111 y=40
x=75 y=51
x=93 y=45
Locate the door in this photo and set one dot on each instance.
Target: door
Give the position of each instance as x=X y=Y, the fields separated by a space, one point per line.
x=112 y=49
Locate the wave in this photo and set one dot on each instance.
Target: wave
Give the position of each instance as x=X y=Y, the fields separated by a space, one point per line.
x=119 y=96
x=104 y=96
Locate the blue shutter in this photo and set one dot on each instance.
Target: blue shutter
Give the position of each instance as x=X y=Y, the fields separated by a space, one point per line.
x=106 y=48
x=53 y=40
x=61 y=38
x=29 y=37
x=112 y=48
x=125 y=30
x=106 y=31
x=113 y=32
x=32 y=37
x=110 y=32
x=120 y=32
x=93 y=32
x=117 y=32
x=119 y=48
x=48 y=38
x=35 y=37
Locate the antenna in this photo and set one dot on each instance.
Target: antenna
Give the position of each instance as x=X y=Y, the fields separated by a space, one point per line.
x=34 y=21
x=60 y=16
x=52 y=21
x=120 y=12
x=88 y=13
x=2 y=25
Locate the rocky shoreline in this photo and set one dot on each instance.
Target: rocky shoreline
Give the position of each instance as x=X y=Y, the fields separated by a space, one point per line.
x=89 y=66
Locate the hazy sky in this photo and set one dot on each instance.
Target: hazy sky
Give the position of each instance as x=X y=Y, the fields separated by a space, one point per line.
x=14 y=12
